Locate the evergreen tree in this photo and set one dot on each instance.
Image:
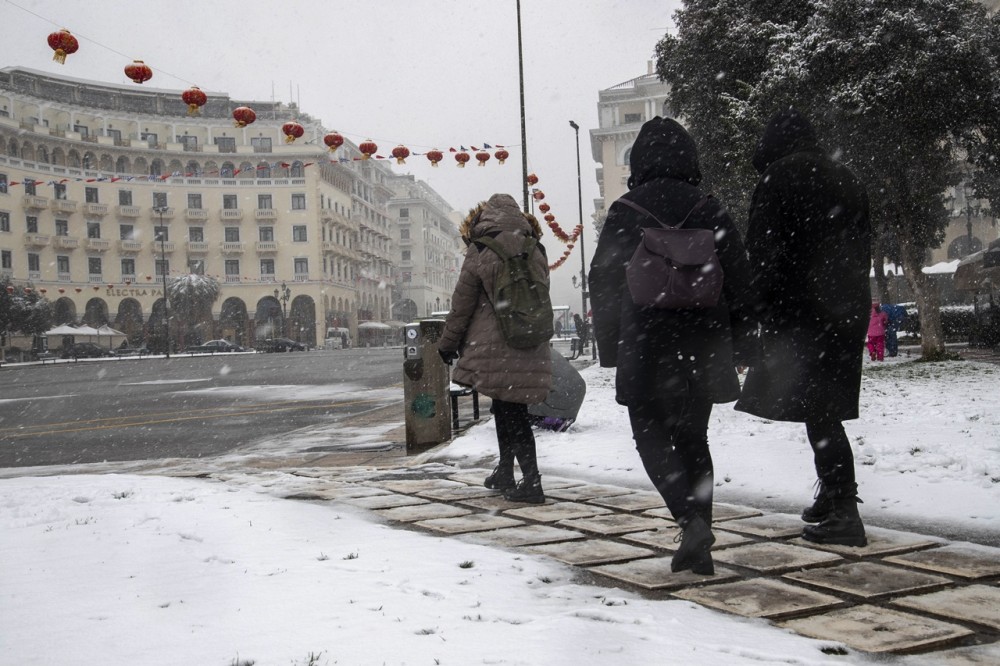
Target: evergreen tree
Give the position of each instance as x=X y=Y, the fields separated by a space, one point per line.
x=191 y=297
x=902 y=90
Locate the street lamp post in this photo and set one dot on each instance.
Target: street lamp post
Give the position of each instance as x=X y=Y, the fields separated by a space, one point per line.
x=583 y=256
x=968 y=218
x=283 y=295
x=163 y=269
x=524 y=134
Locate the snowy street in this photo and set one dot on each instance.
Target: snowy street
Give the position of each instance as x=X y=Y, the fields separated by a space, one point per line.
x=124 y=568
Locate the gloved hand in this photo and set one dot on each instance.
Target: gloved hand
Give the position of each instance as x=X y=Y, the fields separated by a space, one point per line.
x=448 y=355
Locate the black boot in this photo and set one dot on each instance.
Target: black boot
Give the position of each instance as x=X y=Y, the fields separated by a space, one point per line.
x=502 y=478
x=841 y=527
x=821 y=506
x=695 y=550
x=528 y=490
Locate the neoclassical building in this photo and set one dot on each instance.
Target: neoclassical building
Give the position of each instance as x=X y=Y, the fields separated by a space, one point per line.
x=430 y=249
x=104 y=189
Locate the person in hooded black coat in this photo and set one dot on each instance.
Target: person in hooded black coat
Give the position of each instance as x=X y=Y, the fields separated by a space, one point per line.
x=672 y=365
x=809 y=244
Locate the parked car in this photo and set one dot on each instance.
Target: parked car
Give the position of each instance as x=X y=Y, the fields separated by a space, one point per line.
x=281 y=345
x=214 y=347
x=86 y=350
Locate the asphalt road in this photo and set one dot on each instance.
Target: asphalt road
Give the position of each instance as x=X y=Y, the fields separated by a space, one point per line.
x=187 y=407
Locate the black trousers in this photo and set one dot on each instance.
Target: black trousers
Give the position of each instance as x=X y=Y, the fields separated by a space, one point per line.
x=832 y=455
x=672 y=440
x=514 y=437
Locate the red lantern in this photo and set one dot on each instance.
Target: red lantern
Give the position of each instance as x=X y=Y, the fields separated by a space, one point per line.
x=195 y=99
x=96 y=288
x=128 y=282
x=138 y=71
x=78 y=289
x=501 y=155
x=64 y=44
x=532 y=179
x=10 y=290
x=149 y=277
x=549 y=217
x=368 y=148
x=544 y=208
x=292 y=131
x=244 y=116
x=538 y=195
x=27 y=290
x=111 y=286
x=333 y=141
x=483 y=157
x=462 y=157
x=44 y=290
x=435 y=156
x=400 y=152
x=61 y=290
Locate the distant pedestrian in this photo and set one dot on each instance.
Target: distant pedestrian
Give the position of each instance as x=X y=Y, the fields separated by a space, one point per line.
x=896 y=314
x=558 y=328
x=581 y=330
x=809 y=244
x=878 y=322
x=513 y=378
x=672 y=364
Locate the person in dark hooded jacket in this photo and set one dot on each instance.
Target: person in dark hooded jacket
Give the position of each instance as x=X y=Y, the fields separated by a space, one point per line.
x=672 y=365
x=809 y=245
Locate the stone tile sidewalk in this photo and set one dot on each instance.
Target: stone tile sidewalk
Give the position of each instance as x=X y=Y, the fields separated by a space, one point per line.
x=903 y=593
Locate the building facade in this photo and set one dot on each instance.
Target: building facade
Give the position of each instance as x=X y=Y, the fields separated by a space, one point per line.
x=621 y=111
x=430 y=249
x=106 y=189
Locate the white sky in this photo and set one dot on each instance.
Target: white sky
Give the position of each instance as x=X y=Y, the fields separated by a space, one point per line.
x=426 y=73
x=109 y=568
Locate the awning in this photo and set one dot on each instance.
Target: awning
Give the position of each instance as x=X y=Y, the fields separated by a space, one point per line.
x=62 y=329
x=374 y=326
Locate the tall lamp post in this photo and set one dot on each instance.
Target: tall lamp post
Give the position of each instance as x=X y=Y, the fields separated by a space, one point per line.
x=283 y=295
x=524 y=134
x=583 y=256
x=163 y=269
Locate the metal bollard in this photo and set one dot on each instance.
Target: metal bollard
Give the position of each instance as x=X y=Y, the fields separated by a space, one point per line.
x=425 y=386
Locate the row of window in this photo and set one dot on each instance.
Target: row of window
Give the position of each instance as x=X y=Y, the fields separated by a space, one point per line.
x=95 y=265
x=300 y=233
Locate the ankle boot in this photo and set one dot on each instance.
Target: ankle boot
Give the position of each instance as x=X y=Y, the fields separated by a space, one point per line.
x=695 y=549
x=821 y=507
x=529 y=490
x=502 y=478
x=841 y=527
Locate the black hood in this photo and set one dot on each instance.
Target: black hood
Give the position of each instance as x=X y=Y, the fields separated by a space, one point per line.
x=663 y=149
x=787 y=132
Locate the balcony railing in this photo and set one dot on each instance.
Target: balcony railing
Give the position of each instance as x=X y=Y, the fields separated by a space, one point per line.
x=231 y=214
x=165 y=213
x=165 y=246
x=267 y=246
x=233 y=278
x=36 y=240
x=129 y=245
x=65 y=277
x=232 y=247
x=301 y=277
x=63 y=206
x=95 y=278
x=95 y=209
x=128 y=278
x=200 y=247
x=196 y=214
x=268 y=278
x=33 y=202
x=66 y=242
x=266 y=214
x=98 y=244
x=129 y=211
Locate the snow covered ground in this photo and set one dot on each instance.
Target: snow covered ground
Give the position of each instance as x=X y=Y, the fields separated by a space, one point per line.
x=128 y=569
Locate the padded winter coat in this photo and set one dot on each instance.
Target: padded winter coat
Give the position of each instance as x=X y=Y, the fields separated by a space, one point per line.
x=670 y=353
x=809 y=245
x=487 y=363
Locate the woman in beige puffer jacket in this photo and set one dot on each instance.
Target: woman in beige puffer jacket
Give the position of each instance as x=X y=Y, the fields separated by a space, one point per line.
x=513 y=378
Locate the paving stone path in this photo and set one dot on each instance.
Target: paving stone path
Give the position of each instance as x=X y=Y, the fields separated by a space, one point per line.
x=903 y=593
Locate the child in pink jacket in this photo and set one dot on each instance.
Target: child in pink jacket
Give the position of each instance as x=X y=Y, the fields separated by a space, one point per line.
x=876 y=333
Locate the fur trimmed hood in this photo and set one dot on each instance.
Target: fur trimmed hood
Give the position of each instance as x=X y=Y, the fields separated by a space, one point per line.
x=499 y=213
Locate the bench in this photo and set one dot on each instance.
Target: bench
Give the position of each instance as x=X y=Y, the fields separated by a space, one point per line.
x=460 y=391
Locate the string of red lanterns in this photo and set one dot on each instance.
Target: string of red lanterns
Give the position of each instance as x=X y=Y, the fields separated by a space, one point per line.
x=568 y=239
